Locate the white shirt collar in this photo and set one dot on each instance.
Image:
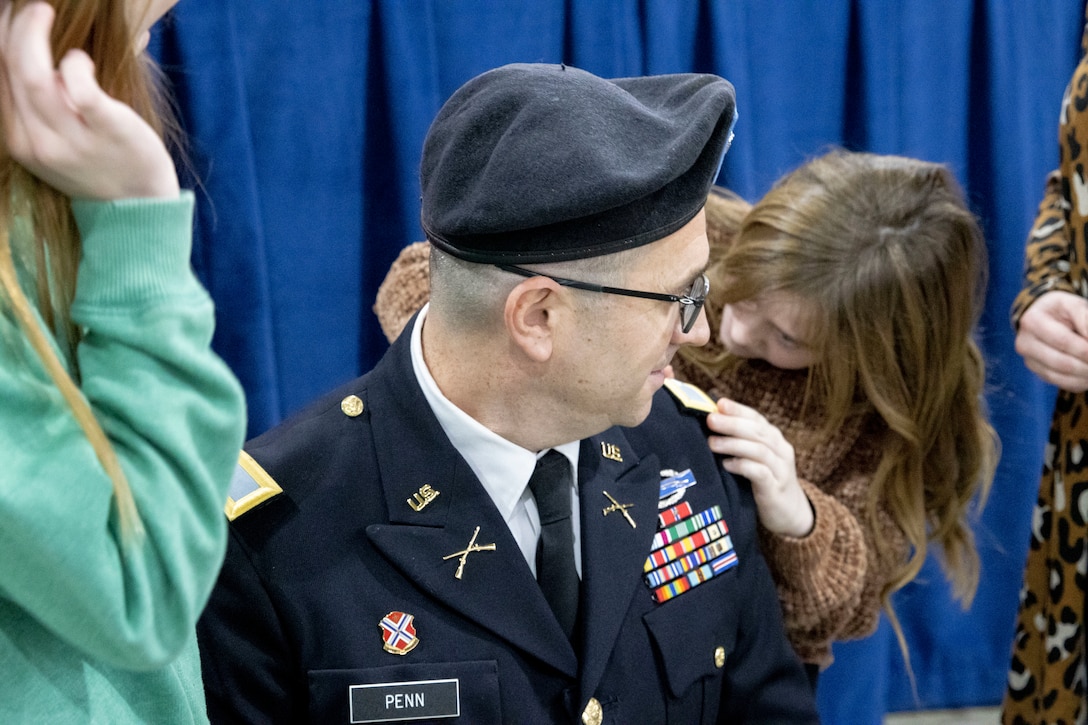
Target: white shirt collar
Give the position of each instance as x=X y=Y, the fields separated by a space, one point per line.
x=503 y=467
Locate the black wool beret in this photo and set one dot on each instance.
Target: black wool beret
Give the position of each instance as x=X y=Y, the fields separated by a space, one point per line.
x=544 y=163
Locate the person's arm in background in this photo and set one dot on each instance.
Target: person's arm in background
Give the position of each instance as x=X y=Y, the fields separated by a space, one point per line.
x=1050 y=318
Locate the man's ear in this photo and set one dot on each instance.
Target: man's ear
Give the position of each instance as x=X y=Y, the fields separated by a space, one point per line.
x=530 y=316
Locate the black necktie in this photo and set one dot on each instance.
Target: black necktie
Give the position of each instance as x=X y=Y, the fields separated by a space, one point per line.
x=555 y=571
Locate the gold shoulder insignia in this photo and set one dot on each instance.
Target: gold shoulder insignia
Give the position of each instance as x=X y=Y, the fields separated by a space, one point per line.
x=690 y=396
x=250 y=485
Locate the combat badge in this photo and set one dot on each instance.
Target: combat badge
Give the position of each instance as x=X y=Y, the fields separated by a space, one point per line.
x=673 y=484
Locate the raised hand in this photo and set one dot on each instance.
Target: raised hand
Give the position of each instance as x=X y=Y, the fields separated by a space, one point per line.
x=759 y=452
x=62 y=127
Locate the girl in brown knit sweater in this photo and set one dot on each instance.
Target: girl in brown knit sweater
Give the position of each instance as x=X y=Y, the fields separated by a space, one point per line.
x=845 y=301
x=841 y=308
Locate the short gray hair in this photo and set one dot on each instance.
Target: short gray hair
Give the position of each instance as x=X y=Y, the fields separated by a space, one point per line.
x=477 y=292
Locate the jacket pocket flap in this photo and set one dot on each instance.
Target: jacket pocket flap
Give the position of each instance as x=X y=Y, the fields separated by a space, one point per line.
x=694 y=634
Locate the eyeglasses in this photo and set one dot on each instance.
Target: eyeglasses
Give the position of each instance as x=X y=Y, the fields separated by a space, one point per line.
x=690 y=304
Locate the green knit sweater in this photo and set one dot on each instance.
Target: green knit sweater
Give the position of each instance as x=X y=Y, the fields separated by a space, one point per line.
x=93 y=630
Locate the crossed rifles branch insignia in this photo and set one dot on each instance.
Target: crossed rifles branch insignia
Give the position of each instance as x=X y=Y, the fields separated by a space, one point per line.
x=617 y=506
x=463 y=554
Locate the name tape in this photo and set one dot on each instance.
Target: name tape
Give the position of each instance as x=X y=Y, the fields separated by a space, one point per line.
x=397 y=701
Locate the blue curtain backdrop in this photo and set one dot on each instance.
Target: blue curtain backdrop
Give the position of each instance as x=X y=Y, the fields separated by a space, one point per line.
x=306 y=121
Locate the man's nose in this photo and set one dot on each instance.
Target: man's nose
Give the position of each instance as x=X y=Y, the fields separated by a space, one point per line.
x=698 y=335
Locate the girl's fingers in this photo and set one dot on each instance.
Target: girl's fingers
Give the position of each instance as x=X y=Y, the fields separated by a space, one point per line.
x=755 y=472
x=61 y=125
x=737 y=450
x=83 y=94
x=748 y=427
x=731 y=425
x=29 y=58
x=739 y=410
x=741 y=448
x=35 y=111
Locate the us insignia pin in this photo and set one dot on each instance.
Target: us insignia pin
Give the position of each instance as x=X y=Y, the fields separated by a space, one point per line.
x=424 y=496
x=398 y=633
x=612 y=452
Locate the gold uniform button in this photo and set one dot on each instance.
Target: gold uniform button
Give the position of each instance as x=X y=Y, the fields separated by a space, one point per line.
x=719 y=657
x=593 y=714
x=352 y=406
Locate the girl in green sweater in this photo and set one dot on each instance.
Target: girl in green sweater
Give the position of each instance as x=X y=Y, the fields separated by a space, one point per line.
x=119 y=427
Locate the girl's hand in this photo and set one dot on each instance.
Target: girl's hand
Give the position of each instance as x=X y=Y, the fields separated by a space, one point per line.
x=759 y=452
x=62 y=127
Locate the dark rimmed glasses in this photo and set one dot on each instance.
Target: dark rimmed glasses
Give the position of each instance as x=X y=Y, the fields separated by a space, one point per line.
x=690 y=304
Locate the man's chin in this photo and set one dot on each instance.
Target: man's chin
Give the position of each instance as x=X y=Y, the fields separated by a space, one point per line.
x=638 y=415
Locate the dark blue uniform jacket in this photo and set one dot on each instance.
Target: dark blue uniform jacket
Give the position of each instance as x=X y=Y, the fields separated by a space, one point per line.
x=293 y=631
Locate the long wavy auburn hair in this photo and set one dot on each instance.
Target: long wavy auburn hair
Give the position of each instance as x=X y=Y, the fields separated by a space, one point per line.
x=892 y=265
x=104 y=30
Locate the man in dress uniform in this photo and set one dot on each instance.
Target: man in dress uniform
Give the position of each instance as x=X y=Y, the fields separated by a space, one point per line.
x=510 y=519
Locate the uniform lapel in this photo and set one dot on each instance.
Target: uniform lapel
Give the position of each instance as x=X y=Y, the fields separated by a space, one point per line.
x=496 y=590
x=613 y=551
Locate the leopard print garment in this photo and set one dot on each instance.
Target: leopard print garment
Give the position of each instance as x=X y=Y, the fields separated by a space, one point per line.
x=1047 y=680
